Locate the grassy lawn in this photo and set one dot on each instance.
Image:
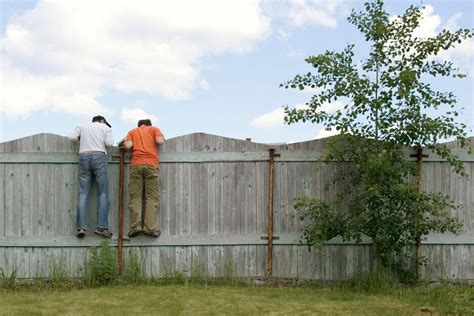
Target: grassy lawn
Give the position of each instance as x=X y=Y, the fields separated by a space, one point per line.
x=238 y=300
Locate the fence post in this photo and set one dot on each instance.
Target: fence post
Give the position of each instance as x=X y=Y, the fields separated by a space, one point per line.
x=120 y=213
x=270 y=211
x=419 y=159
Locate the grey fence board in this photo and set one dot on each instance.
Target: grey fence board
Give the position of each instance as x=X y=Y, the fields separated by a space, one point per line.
x=2 y=200
x=213 y=211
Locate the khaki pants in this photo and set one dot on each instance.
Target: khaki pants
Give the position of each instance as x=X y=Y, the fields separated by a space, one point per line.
x=144 y=177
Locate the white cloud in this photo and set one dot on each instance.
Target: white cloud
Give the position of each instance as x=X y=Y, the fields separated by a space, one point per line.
x=316 y=12
x=73 y=50
x=323 y=133
x=269 y=120
x=284 y=35
x=297 y=53
x=204 y=84
x=452 y=23
x=275 y=118
x=428 y=24
x=312 y=91
x=431 y=24
x=462 y=54
x=331 y=107
x=22 y=93
x=133 y=115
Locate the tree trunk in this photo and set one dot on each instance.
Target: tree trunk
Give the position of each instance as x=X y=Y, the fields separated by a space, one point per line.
x=376 y=262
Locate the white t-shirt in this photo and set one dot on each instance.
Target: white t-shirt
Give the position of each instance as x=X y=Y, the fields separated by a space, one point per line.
x=93 y=137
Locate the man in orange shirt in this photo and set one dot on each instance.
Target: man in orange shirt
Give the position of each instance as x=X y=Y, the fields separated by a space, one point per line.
x=144 y=167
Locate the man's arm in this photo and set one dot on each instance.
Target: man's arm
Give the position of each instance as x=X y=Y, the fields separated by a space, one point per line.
x=109 y=139
x=75 y=134
x=127 y=144
x=159 y=139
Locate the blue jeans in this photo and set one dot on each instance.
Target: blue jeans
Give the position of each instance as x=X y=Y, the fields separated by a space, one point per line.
x=93 y=166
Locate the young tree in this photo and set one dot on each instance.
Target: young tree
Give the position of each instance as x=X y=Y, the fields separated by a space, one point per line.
x=389 y=102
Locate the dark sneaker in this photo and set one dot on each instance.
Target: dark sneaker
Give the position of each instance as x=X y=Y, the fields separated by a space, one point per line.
x=80 y=233
x=104 y=232
x=153 y=233
x=134 y=232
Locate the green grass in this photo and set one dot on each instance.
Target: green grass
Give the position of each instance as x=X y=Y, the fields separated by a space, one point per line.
x=238 y=300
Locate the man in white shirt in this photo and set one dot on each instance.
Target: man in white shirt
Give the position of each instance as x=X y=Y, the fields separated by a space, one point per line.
x=93 y=139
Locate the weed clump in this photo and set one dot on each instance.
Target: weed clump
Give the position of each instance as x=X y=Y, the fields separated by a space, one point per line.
x=8 y=281
x=102 y=267
x=58 y=276
x=133 y=269
x=374 y=281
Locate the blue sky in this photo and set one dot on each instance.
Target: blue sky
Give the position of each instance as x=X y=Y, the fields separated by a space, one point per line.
x=191 y=66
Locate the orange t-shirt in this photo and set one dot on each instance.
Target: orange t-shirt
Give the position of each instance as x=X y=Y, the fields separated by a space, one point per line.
x=145 y=149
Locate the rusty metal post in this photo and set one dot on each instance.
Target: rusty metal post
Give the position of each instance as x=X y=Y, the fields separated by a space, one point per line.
x=419 y=160
x=120 y=213
x=270 y=211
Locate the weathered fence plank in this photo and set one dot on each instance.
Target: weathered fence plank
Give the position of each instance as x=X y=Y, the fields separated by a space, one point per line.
x=3 y=177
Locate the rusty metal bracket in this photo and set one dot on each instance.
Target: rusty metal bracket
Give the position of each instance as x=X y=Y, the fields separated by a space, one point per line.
x=124 y=239
x=271 y=162
x=419 y=158
x=416 y=155
x=120 y=214
x=266 y=238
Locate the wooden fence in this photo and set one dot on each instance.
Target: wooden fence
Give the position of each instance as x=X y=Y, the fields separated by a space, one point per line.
x=213 y=212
